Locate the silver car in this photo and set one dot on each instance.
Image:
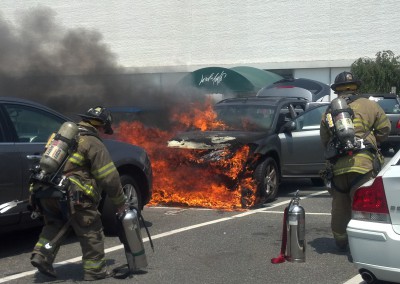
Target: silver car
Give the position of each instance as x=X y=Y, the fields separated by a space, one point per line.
x=374 y=230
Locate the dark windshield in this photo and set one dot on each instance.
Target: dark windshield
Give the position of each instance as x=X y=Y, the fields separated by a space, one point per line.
x=246 y=117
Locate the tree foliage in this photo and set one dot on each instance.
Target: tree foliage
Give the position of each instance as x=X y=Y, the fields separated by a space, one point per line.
x=378 y=75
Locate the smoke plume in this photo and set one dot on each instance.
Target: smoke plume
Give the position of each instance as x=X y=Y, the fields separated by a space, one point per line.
x=68 y=70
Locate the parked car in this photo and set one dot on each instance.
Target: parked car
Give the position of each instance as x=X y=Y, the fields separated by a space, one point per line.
x=281 y=132
x=312 y=90
x=25 y=127
x=390 y=103
x=374 y=230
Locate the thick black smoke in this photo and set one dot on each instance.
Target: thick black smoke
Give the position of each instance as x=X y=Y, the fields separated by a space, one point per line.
x=68 y=69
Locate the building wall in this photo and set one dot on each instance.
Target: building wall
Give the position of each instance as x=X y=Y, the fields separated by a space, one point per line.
x=318 y=39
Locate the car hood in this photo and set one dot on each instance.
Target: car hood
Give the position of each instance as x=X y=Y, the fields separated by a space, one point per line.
x=203 y=140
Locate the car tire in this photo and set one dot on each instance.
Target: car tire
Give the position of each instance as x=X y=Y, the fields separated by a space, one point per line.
x=266 y=176
x=132 y=192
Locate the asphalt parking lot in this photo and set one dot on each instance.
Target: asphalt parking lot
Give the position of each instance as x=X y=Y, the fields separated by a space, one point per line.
x=194 y=245
x=207 y=246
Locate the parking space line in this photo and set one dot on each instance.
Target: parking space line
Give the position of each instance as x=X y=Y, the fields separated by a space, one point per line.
x=355 y=280
x=169 y=233
x=307 y=213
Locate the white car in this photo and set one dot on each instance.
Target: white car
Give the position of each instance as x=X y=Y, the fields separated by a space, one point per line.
x=374 y=230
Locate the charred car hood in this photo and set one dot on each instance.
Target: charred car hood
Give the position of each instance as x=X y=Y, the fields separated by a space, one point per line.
x=213 y=139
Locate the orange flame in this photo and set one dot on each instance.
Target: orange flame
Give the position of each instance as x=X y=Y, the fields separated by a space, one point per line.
x=201 y=117
x=179 y=175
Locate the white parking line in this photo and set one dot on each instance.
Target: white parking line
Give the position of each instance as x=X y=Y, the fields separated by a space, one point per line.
x=176 y=231
x=307 y=213
x=355 y=280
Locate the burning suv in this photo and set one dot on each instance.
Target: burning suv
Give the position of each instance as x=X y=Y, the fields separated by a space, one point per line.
x=254 y=142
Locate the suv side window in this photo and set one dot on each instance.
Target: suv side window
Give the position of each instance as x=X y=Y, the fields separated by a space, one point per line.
x=31 y=124
x=311 y=119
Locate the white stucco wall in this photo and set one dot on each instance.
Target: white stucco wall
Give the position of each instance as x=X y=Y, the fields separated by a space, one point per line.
x=184 y=35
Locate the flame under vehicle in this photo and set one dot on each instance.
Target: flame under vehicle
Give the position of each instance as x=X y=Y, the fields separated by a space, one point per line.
x=278 y=137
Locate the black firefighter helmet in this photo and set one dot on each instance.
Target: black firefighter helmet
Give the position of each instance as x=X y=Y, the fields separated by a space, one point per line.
x=345 y=81
x=99 y=116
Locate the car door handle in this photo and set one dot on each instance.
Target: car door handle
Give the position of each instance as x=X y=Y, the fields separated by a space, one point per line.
x=34 y=157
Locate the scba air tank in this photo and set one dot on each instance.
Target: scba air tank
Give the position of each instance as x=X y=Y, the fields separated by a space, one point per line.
x=57 y=148
x=343 y=122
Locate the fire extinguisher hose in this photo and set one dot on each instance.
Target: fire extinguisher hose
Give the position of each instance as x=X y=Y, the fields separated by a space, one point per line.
x=281 y=258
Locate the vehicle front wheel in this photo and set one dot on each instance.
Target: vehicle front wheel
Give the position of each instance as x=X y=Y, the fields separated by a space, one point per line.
x=266 y=176
x=132 y=192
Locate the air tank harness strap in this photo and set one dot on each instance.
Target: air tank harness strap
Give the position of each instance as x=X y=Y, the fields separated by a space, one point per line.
x=368 y=147
x=70 y=142
x=116 y=272
x=349 y=110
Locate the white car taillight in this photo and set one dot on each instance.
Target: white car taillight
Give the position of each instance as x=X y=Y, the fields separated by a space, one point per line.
x=369 y=203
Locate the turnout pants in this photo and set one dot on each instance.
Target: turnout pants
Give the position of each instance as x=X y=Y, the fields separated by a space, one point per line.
x=87 y=226
x=342 y=192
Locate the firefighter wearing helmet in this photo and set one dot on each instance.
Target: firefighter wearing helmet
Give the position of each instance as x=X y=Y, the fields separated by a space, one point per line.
x=351 y=130
x=89 y=170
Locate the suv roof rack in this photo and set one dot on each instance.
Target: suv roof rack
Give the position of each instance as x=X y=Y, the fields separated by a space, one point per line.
x=268 y=98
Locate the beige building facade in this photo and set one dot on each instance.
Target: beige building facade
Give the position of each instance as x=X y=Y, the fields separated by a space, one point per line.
x=312 y=39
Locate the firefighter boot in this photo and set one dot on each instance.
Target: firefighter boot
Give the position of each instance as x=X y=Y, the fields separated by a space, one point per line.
x=42 y=265
x=94 y=277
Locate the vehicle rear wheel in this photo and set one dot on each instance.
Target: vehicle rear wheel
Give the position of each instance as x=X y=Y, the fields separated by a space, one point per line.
x=267 y=178
x=132 y=192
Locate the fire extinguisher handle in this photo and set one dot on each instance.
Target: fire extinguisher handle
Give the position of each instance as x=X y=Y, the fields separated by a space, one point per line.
x=296 y=199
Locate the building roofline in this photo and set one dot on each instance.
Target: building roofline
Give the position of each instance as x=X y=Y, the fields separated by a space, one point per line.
x=343 y=63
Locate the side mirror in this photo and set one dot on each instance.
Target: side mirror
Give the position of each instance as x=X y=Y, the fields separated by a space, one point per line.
x=289 y=126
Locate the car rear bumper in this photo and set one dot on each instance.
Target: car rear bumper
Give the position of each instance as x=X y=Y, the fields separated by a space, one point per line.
x=375 y=247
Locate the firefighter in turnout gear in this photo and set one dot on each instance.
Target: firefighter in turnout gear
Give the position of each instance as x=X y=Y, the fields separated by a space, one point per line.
x=351 y=130
x=89 y=170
